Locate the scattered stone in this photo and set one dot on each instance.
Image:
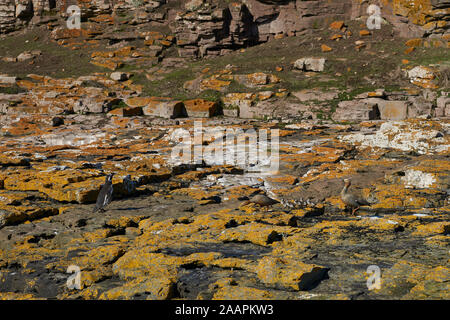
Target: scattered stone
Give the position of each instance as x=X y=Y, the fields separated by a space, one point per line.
x=337 y=25
x=310 y=64
x=158 y=106
x=126 y=112
x=442 y=106
x=393 y=110
x=359 y=110
x=200 y=108
x=9 y=59
x=409 y=50
x=257 y=79
x=94 y=104
x=119 y=76
x=325 y=48
x=289 y=274
x=422 y=76
x=25 y=56
x=408 y=135
x=5 y=79
x=308 y=95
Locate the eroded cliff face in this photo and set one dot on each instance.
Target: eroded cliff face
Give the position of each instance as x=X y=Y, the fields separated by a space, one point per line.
x=204 y=27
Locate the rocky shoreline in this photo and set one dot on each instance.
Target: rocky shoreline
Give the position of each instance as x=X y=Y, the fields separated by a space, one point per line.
x=141 y=81
x=182 y=232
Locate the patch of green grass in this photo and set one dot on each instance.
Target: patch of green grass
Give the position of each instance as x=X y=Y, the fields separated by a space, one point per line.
x=14 y=89
x=429 y=56
x=292 y=82
x=120 y=29
x=92 y=83
x=316 y=24
x=240 y=88
x=56 y=61
x=120 y=104
x=50 y=13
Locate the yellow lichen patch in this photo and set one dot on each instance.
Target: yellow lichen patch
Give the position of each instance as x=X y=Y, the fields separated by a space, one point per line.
x=417 y=11
x=428 y=282
x=319 y=155
x=336 y=201
x=256 y=233
x=439 y=274
x=13 y=160
x=240 y=292
x=148 y=225
x=439 y=240
x=91 y=292
x=295 y=244
x=429 y=289
x=274 y=218
x=257 y=79
x=124 y=221
x=96 y=257
x=69 y=185
x=283 y=133
x=19 y=214
x=433 y=228
x=196 y=194
x=380 y=224
x=192 y=176
x=231 y=263
x=308 y=212
x=12 y=198
x=138 y=263
x=413 y=272
x=249 y=208
x=89 y=277
x=284 y=179
x=290 y=274
x=17 y=296
x=25 y=252
x=350 y=231
x=200 y=108
x=214 y=84
x=414 y=42
x=158 y=288
x=397 y=196
x=98 y=234
x=239 y=191
x=202 y=258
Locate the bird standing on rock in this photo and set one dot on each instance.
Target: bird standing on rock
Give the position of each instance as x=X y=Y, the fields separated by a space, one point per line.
x=105 y=195
x=261 y=200
x=350 y=200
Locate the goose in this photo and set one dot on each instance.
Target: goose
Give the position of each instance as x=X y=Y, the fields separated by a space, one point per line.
x=261 y=200
x=350 y=200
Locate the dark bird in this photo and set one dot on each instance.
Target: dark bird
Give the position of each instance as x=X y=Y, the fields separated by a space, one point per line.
x=57 y=121
x=105 y=195
x=350 y=200
x=261 y=200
